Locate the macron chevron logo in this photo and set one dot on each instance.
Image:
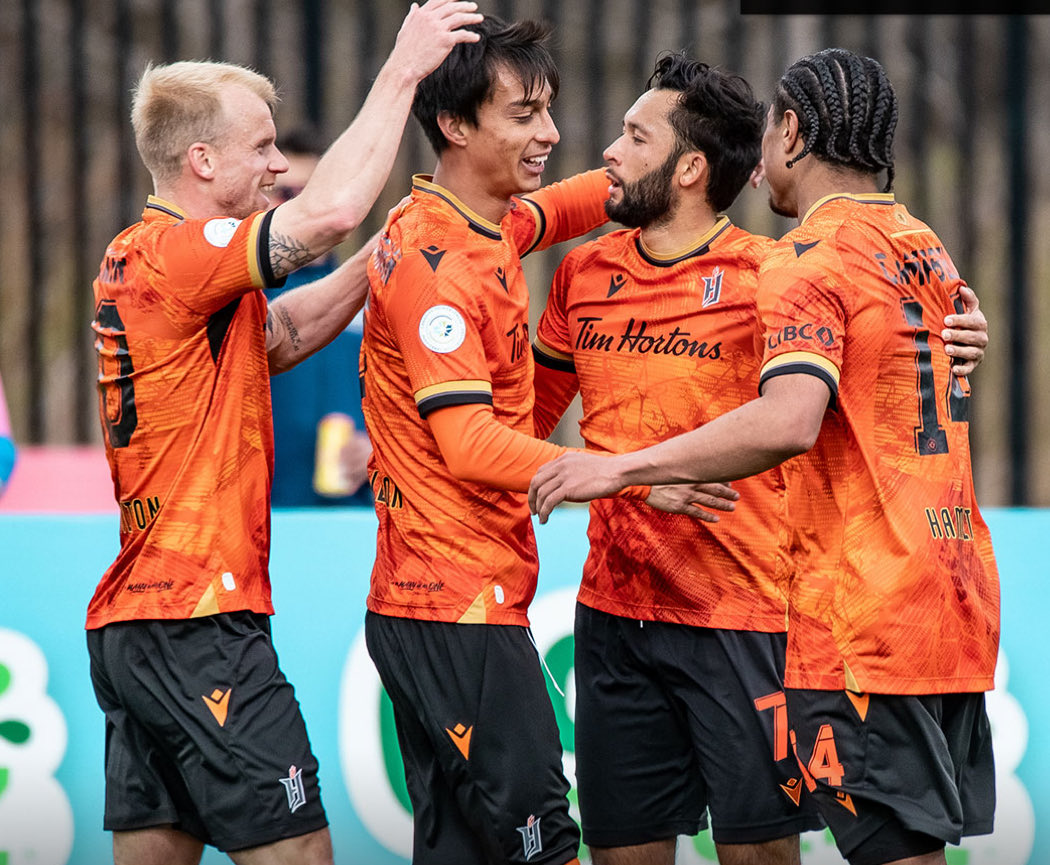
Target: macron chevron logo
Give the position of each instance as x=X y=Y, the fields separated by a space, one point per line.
x=433 y=256
x=804 y=247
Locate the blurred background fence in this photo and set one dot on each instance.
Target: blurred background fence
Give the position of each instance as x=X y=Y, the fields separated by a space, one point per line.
x=972 y=159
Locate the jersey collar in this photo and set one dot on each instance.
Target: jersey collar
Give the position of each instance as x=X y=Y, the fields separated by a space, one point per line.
x=424 y=184
x=859 y=197
x=156 y=206
x=700 y=246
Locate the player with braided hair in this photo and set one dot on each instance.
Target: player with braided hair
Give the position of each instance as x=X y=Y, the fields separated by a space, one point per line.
x=846 y=109
x=893 y=606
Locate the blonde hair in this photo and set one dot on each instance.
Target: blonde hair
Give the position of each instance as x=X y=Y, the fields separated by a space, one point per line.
x=176 y=104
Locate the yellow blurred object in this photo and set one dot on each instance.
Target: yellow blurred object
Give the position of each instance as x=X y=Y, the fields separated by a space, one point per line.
x=334 y=432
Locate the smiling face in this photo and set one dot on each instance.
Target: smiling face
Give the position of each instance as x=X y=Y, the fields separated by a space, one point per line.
x=513 y=137
x=642 y=162
x=245 y=156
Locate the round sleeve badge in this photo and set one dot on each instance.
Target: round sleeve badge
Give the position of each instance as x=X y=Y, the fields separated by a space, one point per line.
x=219 y=232
x=442 y=329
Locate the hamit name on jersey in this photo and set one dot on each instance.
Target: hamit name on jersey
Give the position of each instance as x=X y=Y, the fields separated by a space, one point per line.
x=918 y=266
x=136 y=514
x=635 y=338
x=950 y=523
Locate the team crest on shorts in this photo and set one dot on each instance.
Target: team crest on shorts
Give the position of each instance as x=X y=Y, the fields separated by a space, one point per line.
x=293 y=786
x=530 y=836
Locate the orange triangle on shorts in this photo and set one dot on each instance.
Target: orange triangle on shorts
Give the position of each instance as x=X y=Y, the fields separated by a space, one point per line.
x=461 y=738
x=794 y=789
x=846 y=801
x=218 y=704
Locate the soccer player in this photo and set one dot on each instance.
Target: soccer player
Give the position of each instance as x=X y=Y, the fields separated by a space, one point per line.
x=448 y=404
x=205 y=741
x=680 y=623
x=893 y=613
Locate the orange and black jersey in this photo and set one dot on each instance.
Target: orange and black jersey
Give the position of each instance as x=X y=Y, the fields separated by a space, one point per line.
x=185 y=407
x=896 y=589
x=661 y=345
x=446 y=325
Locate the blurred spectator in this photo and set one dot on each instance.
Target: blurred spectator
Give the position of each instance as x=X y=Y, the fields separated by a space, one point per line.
x=7 y=444
x=320 y=447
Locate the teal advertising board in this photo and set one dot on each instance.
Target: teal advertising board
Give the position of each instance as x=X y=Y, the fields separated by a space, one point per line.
x=51 y=741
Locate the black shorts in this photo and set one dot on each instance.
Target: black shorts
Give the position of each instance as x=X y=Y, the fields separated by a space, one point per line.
x=918 y=767
x=203 y=731
x=481 y=748
x=673 y=720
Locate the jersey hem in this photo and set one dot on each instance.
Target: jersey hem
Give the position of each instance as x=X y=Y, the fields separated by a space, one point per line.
x=767 y=624
x=100 y=620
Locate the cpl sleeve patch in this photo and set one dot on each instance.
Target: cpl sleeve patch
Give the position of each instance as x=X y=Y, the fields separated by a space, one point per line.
x=442 y=329
x=219 y=232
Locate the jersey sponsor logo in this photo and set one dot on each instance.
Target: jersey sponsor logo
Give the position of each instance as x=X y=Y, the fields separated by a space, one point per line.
x=519 y=341
x=219 y=232
x=800 y=248
x=635 y=338
x=218 y=703
x=442 y=329
x=293 y=787
x=460 y=736
x=807 y=332
x=712 y=288
x=530 y=837
x=433 y=255
x=616 y=282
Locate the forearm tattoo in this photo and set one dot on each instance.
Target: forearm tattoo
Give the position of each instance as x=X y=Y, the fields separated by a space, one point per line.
x=287 y=254
x=278 y=323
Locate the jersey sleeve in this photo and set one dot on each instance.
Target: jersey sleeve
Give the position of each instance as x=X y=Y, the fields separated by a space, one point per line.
x=804 y=316
x=561 y=211
x=210 y=262
x=435 y=323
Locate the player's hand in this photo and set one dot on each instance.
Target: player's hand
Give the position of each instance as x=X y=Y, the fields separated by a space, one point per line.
x=965 y=334
x=573 y=477
x=693 y=499
x=429 y=32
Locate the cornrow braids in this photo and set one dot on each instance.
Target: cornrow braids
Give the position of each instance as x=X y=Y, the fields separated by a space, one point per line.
x=846 y=107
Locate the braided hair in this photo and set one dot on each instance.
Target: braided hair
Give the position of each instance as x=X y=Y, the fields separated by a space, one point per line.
x=846 y=107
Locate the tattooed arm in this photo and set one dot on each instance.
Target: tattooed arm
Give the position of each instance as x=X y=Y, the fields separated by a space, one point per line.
x=305 y=319
x=353 y=171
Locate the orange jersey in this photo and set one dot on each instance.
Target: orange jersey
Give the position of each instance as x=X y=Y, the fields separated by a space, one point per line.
x=447 y=324
x=185 y=408
x=661 y=345
x=896 y=590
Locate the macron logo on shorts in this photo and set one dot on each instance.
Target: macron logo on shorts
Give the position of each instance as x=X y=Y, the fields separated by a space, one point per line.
x=293 y=786
x=218 y=704
x=461 y=739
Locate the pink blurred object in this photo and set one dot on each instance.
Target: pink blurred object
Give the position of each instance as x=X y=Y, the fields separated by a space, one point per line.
x=60 y=479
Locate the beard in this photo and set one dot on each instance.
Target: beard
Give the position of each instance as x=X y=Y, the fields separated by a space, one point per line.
x=649 y=200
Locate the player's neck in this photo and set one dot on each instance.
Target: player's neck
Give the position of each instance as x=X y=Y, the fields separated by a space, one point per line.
x=469 y=187
x=827 y=181
x=684 y=228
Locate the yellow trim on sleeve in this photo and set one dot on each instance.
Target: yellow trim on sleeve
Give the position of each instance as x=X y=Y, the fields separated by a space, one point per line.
x=254 y=265
x=452 y=387
x=807 y=357
x=543 y=348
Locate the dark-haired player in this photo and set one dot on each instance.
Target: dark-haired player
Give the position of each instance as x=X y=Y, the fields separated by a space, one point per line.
x=893 y=613
x=448 y=404
x=680 y=623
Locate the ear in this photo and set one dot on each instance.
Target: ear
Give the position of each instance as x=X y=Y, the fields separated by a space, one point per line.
x=790 y=137
x=201 y=160
x=453 y=128
x=693 y=168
